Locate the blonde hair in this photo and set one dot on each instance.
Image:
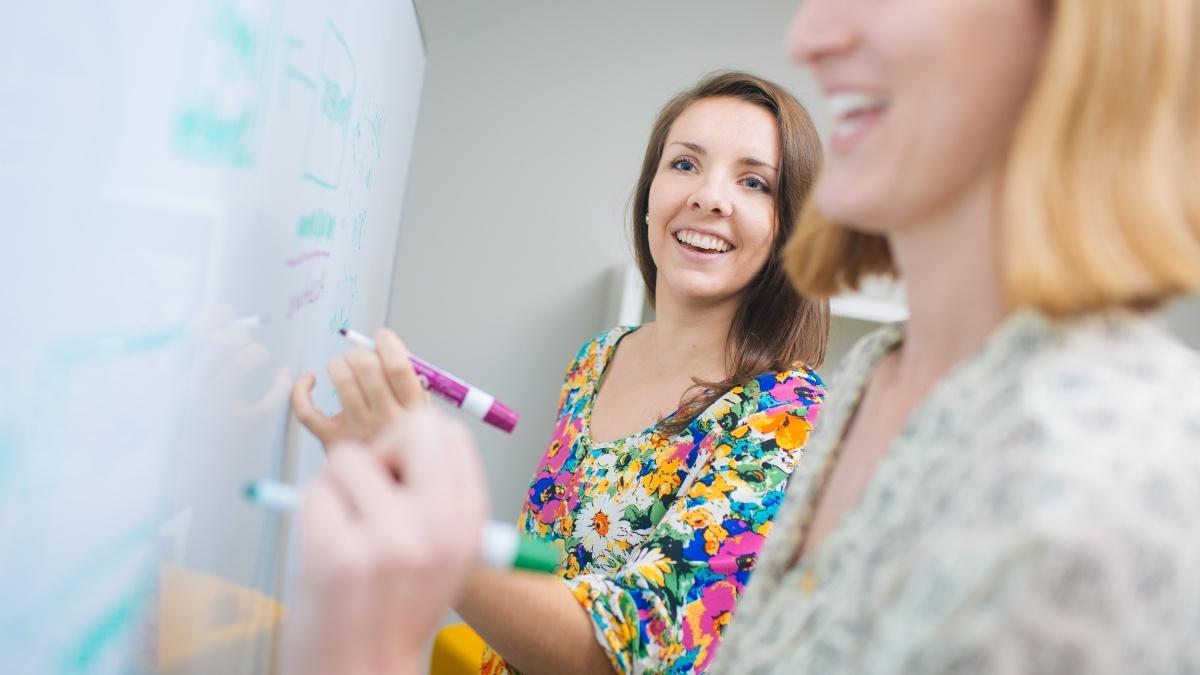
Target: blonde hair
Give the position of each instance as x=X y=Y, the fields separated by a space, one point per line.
x=1100 y=201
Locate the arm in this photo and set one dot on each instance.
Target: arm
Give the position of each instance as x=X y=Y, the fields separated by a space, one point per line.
x=534 y=621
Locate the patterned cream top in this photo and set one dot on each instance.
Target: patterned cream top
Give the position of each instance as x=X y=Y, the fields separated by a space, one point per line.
x=1040 y=513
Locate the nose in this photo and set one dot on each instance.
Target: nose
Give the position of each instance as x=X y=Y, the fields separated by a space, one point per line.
x=712 y=196
x=819 y=29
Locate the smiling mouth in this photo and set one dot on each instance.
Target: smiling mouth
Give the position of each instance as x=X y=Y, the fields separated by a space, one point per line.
x=854 y=112
x=702 y=243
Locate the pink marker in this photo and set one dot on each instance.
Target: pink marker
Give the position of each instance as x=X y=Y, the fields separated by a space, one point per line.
x=475 y=401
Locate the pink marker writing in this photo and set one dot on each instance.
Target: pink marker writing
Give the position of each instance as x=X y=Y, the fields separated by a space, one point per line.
x=471 y=399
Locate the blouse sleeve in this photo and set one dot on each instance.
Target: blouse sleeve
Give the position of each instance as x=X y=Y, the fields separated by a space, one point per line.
x=666 y=608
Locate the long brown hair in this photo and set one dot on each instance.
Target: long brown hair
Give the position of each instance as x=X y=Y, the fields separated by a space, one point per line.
x=774 y=327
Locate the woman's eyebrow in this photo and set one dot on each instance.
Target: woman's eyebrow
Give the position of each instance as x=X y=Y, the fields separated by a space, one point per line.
x=694 y=147
x=749 y=161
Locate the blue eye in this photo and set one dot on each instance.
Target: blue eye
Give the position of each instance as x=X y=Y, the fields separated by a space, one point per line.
x=756 y=184
x=683 y=165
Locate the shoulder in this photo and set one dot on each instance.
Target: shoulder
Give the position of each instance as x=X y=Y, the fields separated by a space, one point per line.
x=1108 y=422
x=1119 y=383
x=596 y=347
x=781 y=406
x=799 y=387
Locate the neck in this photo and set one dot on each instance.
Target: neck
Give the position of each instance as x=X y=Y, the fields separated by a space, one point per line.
x=689 y=337
x=951 y=271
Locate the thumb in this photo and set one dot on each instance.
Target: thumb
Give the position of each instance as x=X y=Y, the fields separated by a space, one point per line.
x=302 y=404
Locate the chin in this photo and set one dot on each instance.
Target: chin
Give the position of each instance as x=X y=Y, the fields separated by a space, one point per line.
x=705 y=295
x=693 y=290
x=852 y=204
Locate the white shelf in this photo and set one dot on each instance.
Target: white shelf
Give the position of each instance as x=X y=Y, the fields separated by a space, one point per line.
x=865 y=308
x=626 y=297
x=879 y=299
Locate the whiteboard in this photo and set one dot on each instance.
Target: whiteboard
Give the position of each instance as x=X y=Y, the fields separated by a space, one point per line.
x=196 y=196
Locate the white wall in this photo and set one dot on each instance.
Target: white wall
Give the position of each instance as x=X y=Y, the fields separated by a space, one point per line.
x=533 y=122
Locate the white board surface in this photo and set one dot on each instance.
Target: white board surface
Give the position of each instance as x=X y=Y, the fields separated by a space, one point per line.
x=166 y=169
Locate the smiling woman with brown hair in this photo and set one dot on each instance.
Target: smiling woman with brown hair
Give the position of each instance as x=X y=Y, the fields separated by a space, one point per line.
x=674 y=440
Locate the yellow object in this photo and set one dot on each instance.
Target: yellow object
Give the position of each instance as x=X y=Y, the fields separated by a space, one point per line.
x=457 y=650
x=209 y=625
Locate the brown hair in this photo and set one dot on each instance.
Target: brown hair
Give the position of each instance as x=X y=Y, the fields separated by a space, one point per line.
x=774 y=327
x=1099 y=203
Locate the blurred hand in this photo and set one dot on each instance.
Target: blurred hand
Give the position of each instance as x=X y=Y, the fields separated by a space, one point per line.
x=228 y=367
x=388 y=534
x=373 y=387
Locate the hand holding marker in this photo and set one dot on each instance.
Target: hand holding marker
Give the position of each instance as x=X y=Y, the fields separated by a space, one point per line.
x=503 y=547
x=475 y=401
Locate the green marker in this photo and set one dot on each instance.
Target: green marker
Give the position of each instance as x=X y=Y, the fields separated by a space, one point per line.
x=503 y=547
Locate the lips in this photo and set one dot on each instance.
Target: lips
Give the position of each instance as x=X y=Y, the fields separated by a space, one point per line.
x=854 y=113
x=703 y=242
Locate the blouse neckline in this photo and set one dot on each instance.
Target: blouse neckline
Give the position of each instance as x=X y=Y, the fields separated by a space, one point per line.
x=599 y=370
x=849 y=388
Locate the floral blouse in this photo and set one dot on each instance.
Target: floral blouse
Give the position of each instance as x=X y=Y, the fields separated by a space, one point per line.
x=660 y=533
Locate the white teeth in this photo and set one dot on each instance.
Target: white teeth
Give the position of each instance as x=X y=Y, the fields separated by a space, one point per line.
x=704 y=241
x=846 y=103
x=848 y=108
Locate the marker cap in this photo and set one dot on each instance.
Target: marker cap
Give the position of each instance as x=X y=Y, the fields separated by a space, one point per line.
x=502 y=417
x=536 y=556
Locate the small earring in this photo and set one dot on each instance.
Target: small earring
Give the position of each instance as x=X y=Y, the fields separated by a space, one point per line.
x=647 y=219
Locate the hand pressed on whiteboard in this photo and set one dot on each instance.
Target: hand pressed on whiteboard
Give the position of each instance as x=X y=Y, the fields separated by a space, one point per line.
x=372 y=386
x=378 y=567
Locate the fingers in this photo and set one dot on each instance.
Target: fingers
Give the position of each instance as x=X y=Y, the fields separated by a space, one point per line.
x=366 y=483
x=465 y=467
x=325 y=517
x=405 y=446
x=274 y=396
x=302 y=405
x=472 y=474
x=441 y=476
x=354 y=401
x=232 y=373
x=369 y=372
x=399 y=369
x=434 y=454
